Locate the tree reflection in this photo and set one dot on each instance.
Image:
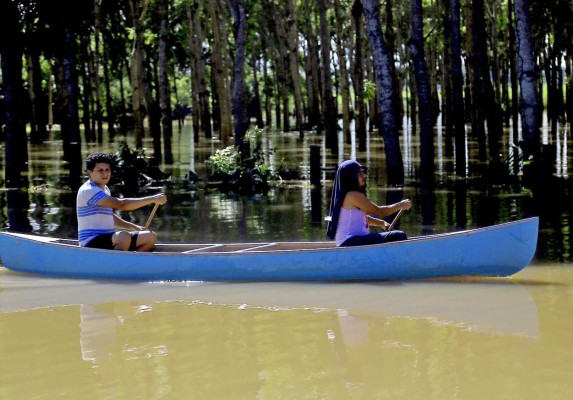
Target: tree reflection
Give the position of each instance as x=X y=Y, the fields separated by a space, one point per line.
x=18 y=205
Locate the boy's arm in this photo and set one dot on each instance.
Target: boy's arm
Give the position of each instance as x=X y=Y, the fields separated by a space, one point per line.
x=119 y=222
x=132 y=204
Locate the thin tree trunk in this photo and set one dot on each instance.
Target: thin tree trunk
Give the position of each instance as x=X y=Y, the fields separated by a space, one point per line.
x=447 y=97
x=360 y=102
x=37 y=104
x=513 y=73
x=258 y=113
x=312 y=72
x=343 y=73
x=385 y=87
x=241 y=121
x=458 y=90
x=11 y=53
x=282 y=68
x=136 y=70
x=164 y=89
x=75 y=141
x=390 y=40
x=416 y=46
x=268 y=92
x=86 y=95
x=329 y=108
x=96 y=75
x=220 y=70
x=527 y=75
x=111 y=114
x=294 y=65
x=200 y=90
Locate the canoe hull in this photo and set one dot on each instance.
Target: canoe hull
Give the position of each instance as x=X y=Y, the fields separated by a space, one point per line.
x=500 y=250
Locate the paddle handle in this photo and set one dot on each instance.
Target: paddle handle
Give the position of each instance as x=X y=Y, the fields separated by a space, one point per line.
x=395 y=220
x=151 y=215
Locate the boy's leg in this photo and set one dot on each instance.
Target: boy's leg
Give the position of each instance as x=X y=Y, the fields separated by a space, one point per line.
x=145 y=240
x=121 y=240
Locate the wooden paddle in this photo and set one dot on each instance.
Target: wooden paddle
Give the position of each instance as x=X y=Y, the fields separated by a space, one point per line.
x=395 y=220
x=151 y=216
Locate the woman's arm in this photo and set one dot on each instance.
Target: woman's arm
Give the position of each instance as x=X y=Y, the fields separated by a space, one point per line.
x=380 y=223
x=359 y=200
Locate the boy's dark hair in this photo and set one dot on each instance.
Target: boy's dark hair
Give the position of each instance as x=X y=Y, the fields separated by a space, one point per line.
x=95 y=158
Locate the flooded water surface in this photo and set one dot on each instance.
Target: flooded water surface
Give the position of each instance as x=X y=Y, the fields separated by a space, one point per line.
x=463 y=338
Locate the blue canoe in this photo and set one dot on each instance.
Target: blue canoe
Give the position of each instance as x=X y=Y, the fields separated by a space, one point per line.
x=499 y=250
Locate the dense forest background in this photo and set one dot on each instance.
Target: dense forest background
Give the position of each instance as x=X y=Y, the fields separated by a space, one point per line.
x=133 y=66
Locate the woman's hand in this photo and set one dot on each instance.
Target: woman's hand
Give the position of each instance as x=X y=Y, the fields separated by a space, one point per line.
x=405 y=204
x=160 y=199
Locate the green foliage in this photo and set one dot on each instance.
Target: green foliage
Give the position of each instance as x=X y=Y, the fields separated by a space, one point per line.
x=369 y=90
x=131 y=169
x=243 y=174
x=225 y=161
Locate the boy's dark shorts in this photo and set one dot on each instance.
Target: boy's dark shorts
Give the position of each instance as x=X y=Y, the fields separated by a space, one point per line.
x=103 y=241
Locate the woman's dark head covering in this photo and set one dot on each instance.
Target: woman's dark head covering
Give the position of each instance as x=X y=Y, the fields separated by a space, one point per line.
x=346 y=180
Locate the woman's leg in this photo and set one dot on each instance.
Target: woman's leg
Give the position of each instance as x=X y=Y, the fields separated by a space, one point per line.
x=374 y=238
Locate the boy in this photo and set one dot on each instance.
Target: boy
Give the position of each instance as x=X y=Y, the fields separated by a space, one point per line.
x=96 y=219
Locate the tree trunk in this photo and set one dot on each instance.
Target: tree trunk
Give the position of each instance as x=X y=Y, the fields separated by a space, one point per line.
x=281 y=61
x=164 y=89
x=220 y=70
x=360 y=101
x=447 y=95
x=198 y=68
x=241 y=120
x=390 y=40
x=110 y=112
x=312 y=72
x=85 y=95
x=96 y=75
x=38 y=104
x=268 y=92
x=416 y=46
x=136 y=70
x=484 y=99
x=294 y=67
x=341 y=52
x=75 y=141
x=329 y=109
x=385 y=87
x=458 y=90
x=527 y=76
x=513 y=73
x=11 y=53
x=256 y=102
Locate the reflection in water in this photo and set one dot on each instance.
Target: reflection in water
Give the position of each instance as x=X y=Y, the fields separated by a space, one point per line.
x=416 y=340
x=489 y=305
x=97 y=333
x=18 y=204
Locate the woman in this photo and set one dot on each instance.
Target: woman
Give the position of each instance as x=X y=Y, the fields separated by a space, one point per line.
x=350 y=210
